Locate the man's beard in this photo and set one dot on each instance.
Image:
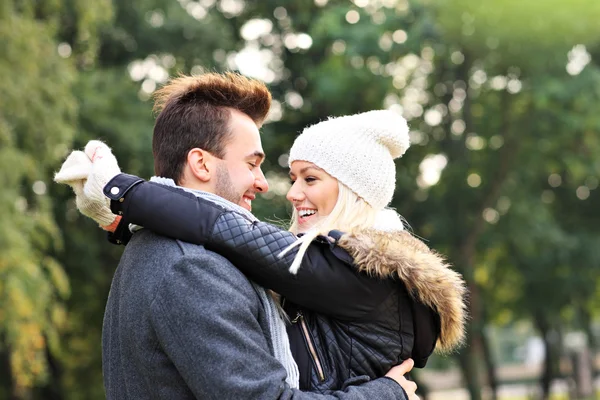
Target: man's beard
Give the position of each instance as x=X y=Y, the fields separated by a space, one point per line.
x=224 y=187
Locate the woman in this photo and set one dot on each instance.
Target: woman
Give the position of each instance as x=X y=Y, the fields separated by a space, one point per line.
x=361 y=294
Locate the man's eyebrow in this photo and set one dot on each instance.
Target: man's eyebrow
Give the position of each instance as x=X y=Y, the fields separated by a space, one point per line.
x=258 y=154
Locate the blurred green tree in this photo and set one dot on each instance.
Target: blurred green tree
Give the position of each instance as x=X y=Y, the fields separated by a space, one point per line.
x=500 y=97
x=37 y=113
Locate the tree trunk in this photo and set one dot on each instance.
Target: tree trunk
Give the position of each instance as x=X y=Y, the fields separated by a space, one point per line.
x=490 y=365
x=547 y=373
x=470 y=371
x=6 y=383
x=593 y=343
x=422 y=388
x=54 y=390
x=470 y=357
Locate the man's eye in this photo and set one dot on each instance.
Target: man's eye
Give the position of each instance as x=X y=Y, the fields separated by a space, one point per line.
x=252 y=165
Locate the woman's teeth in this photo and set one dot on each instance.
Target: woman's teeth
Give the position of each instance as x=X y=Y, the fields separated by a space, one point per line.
x=306 y=213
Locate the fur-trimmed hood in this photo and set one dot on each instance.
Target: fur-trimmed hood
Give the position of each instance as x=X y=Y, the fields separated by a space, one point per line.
x=427 y=276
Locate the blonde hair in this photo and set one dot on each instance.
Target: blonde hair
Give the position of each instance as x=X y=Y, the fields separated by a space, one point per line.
x=350 y=213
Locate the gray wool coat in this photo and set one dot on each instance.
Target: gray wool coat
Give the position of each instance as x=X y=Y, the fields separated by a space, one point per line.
x=182 y=322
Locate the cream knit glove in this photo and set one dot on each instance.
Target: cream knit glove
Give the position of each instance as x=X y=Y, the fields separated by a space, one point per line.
x=87 y=172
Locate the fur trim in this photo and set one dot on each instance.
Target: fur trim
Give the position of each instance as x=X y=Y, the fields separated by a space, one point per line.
x=427 y=276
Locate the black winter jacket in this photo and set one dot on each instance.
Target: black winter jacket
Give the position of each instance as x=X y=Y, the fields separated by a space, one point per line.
x=359 y=304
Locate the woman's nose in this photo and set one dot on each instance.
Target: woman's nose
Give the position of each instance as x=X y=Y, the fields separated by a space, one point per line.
x=295 y=195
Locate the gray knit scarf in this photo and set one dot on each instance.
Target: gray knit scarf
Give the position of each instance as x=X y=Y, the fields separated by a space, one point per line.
x=278 y=334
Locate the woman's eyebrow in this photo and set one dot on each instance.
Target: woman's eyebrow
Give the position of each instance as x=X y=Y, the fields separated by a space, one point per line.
x=303 y=170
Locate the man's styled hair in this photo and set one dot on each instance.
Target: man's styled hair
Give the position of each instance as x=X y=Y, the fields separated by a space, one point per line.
x=194 y=111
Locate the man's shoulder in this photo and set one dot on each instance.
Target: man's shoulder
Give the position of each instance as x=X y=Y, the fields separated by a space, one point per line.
x=150 y=249
x=150 y=244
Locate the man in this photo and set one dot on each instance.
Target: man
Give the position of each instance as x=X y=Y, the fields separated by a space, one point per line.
x=181 y=322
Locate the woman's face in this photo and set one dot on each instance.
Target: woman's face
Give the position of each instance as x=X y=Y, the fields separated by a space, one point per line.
x=313 y=193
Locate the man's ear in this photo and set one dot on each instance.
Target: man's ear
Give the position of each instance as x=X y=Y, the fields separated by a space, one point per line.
x=201 y=164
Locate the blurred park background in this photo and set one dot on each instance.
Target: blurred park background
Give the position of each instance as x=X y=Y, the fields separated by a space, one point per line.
x=503 y=101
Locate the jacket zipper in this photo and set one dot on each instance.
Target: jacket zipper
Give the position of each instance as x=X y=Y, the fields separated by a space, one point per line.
x=311 y=347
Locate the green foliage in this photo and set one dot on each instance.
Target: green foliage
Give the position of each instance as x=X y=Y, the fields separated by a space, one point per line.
x=510 y=31
x=38 y=111
x=493 y=107
x=35 y=124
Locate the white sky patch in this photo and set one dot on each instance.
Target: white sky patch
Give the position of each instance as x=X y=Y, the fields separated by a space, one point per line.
x=158 y=74
x=39 y=188
x=503 y=205
x=156 y=18
x=496 y=142
x=475 y=142
x=148 y=86
x=548 y=196
x=232 y=8
x=479 y=77
x=474 y=180
x=297 y=41
x=578 y=58
x=491 y=216
x=256 y=28
x=431 y=169
x=196 y=10
x=458 y=127
x=338 y=47
x=433 y=117
x=294 y=100
x=150 y=68
x=399 y=36
x=352 y=16
x=64 y=50
x=280 y=13
x=253 y=62
x=582 y=192
x=275 y=112
x=514 y=86
x=555 y=180
x=304 y=41
x=498 y=82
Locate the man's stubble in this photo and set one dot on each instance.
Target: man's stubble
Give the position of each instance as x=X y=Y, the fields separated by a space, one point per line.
x=224 y=186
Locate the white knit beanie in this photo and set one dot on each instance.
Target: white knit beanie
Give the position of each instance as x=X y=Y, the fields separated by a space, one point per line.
x=358 y=150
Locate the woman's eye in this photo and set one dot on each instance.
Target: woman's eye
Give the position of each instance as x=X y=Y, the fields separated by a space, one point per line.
x=309 y=179
x=292 y=182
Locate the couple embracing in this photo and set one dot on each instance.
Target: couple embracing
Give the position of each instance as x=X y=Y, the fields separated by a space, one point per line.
x=210 y=303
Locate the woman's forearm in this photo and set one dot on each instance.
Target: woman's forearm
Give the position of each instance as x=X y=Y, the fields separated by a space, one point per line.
x=327 y=282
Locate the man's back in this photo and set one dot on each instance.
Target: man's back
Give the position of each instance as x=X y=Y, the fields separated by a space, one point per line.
x=182 y=323
x=162 y=337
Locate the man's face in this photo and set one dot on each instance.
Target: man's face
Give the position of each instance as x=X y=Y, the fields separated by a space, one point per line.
x=238 y=176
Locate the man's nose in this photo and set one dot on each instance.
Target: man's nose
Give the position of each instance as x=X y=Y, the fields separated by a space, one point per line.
x=260 y=182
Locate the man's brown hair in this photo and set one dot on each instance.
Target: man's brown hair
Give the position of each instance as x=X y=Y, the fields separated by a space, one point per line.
x=194 y=112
